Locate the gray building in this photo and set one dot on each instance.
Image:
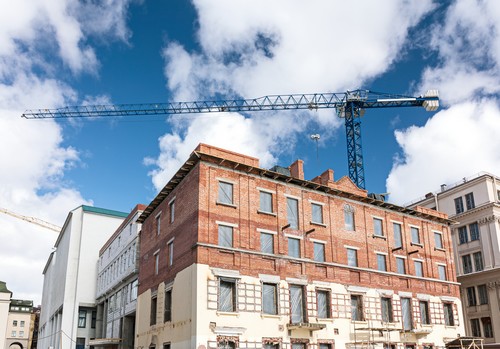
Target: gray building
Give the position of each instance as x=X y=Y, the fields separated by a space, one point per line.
x=474 y=203
x=117 y=274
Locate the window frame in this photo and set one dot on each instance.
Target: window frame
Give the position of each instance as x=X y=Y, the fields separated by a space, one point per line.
x=467 y=264
x=261 y=207
x=475 y=327
x=463 y=236
x=153 y=311
x=328 y=300
x=386 y=309
x=442 y=272
x=233 y=293
x=420 y=268
x=469 y=201
x=438 y=240
x=381 y=257
x=354 y=253
x=275 y=302
x=225 y=235
x=223 y=197
x=397 y=234
x=295 y=240
x=322 y=251
x=317 y=209
x=378 y=227
x=474 y=231
x=292 y=212
x=415 y=235
x=267 y=235
x=423 y=309
x=357 y=313
x=478 y=261
x=171 y=206
x=459 y=205
x=167 y=311
x=471 y=296
x=449 y=319
x=349 y=218
x=82 y=318
x=482 y=292
x=400 y=263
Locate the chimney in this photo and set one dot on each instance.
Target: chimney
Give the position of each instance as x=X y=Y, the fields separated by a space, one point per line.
x=297 y=169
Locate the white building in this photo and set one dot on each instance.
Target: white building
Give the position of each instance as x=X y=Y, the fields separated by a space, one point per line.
x=474 y=203
x=117 y=283
x=68 y=317
x=5 y=296
x=18 y=334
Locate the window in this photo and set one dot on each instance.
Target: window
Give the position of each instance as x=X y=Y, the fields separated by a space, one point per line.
x=152 y=315
x=478 y=261
x=381 y=262
x=487 y=328
x=21 y=334
x=80 y=343
x=14 y=323
x=378 y=228
x=459 y=205
x=387 y=314
x=323 y=301
x=158 y=224
x=225 y=236
x=298 y=346
x=21 y=323
x=357 y=308
x=419 y=268
x=325 y=346
x=349 y=223
x=225 y=193
x=438 y=240
x=13 y=334
x=227 y=295
x=474 y=231
x=94 y=319
x=442 y=272
x=319 y=252
x=225 y=343
x=172 y=211
x=467 y=264
x=294 y=247
x=352 y=257
x=157 y=262
x=266 y=202
x=482 y=291
x=170 y=247
x=415 y=235
x=398 y=238
x=424 y=312
x=133 y=290
x=271 y=346
x=166 y=345
x=297 y=304
x=317 y=213
x=270 y=299
x=462 y=235
x=406 y=312
x=82 y=318
x=400 y=265
x=469 y=201
x=266 y=243
x=292 y=212
x=448 y=314
x=475 y=327
x=167 y=316
x=471 y=296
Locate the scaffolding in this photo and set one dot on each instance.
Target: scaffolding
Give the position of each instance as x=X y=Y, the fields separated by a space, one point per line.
x=368 y=336
x=465 y=343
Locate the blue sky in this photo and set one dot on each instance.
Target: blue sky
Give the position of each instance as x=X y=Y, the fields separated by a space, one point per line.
x=122 y=51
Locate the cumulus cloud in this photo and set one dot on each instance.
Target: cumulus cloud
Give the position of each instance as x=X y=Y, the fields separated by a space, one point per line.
x=37 y=39
x=461 y=140
x=290 y=47
x=457 y=142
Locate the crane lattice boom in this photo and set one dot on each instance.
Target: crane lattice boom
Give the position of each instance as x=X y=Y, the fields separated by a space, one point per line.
x=349 y=105
x=32 y=220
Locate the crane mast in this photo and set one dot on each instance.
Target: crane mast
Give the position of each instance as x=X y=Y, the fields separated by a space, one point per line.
x=349 y=105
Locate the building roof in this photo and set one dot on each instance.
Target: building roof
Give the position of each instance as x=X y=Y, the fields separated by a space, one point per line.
x=104 y=211
x=215 y=158
x=3 y=287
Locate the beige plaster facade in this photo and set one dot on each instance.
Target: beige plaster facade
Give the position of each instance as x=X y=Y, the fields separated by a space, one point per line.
x=474 y=203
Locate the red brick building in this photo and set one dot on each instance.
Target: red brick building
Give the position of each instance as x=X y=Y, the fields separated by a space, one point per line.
x=236 y=256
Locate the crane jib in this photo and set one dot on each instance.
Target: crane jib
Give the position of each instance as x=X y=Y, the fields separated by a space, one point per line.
x=349 y=105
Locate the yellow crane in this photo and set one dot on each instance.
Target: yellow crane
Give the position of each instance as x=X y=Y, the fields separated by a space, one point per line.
x=32 y=220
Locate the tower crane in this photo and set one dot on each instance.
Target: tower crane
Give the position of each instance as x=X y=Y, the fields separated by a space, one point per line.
x=32 y=220
x=349 y=105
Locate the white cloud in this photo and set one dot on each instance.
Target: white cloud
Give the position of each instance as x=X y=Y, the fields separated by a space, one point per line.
x=462 y=140
x=36 y=40
x=290 y=47
x=455 y=143
x=468 y=52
